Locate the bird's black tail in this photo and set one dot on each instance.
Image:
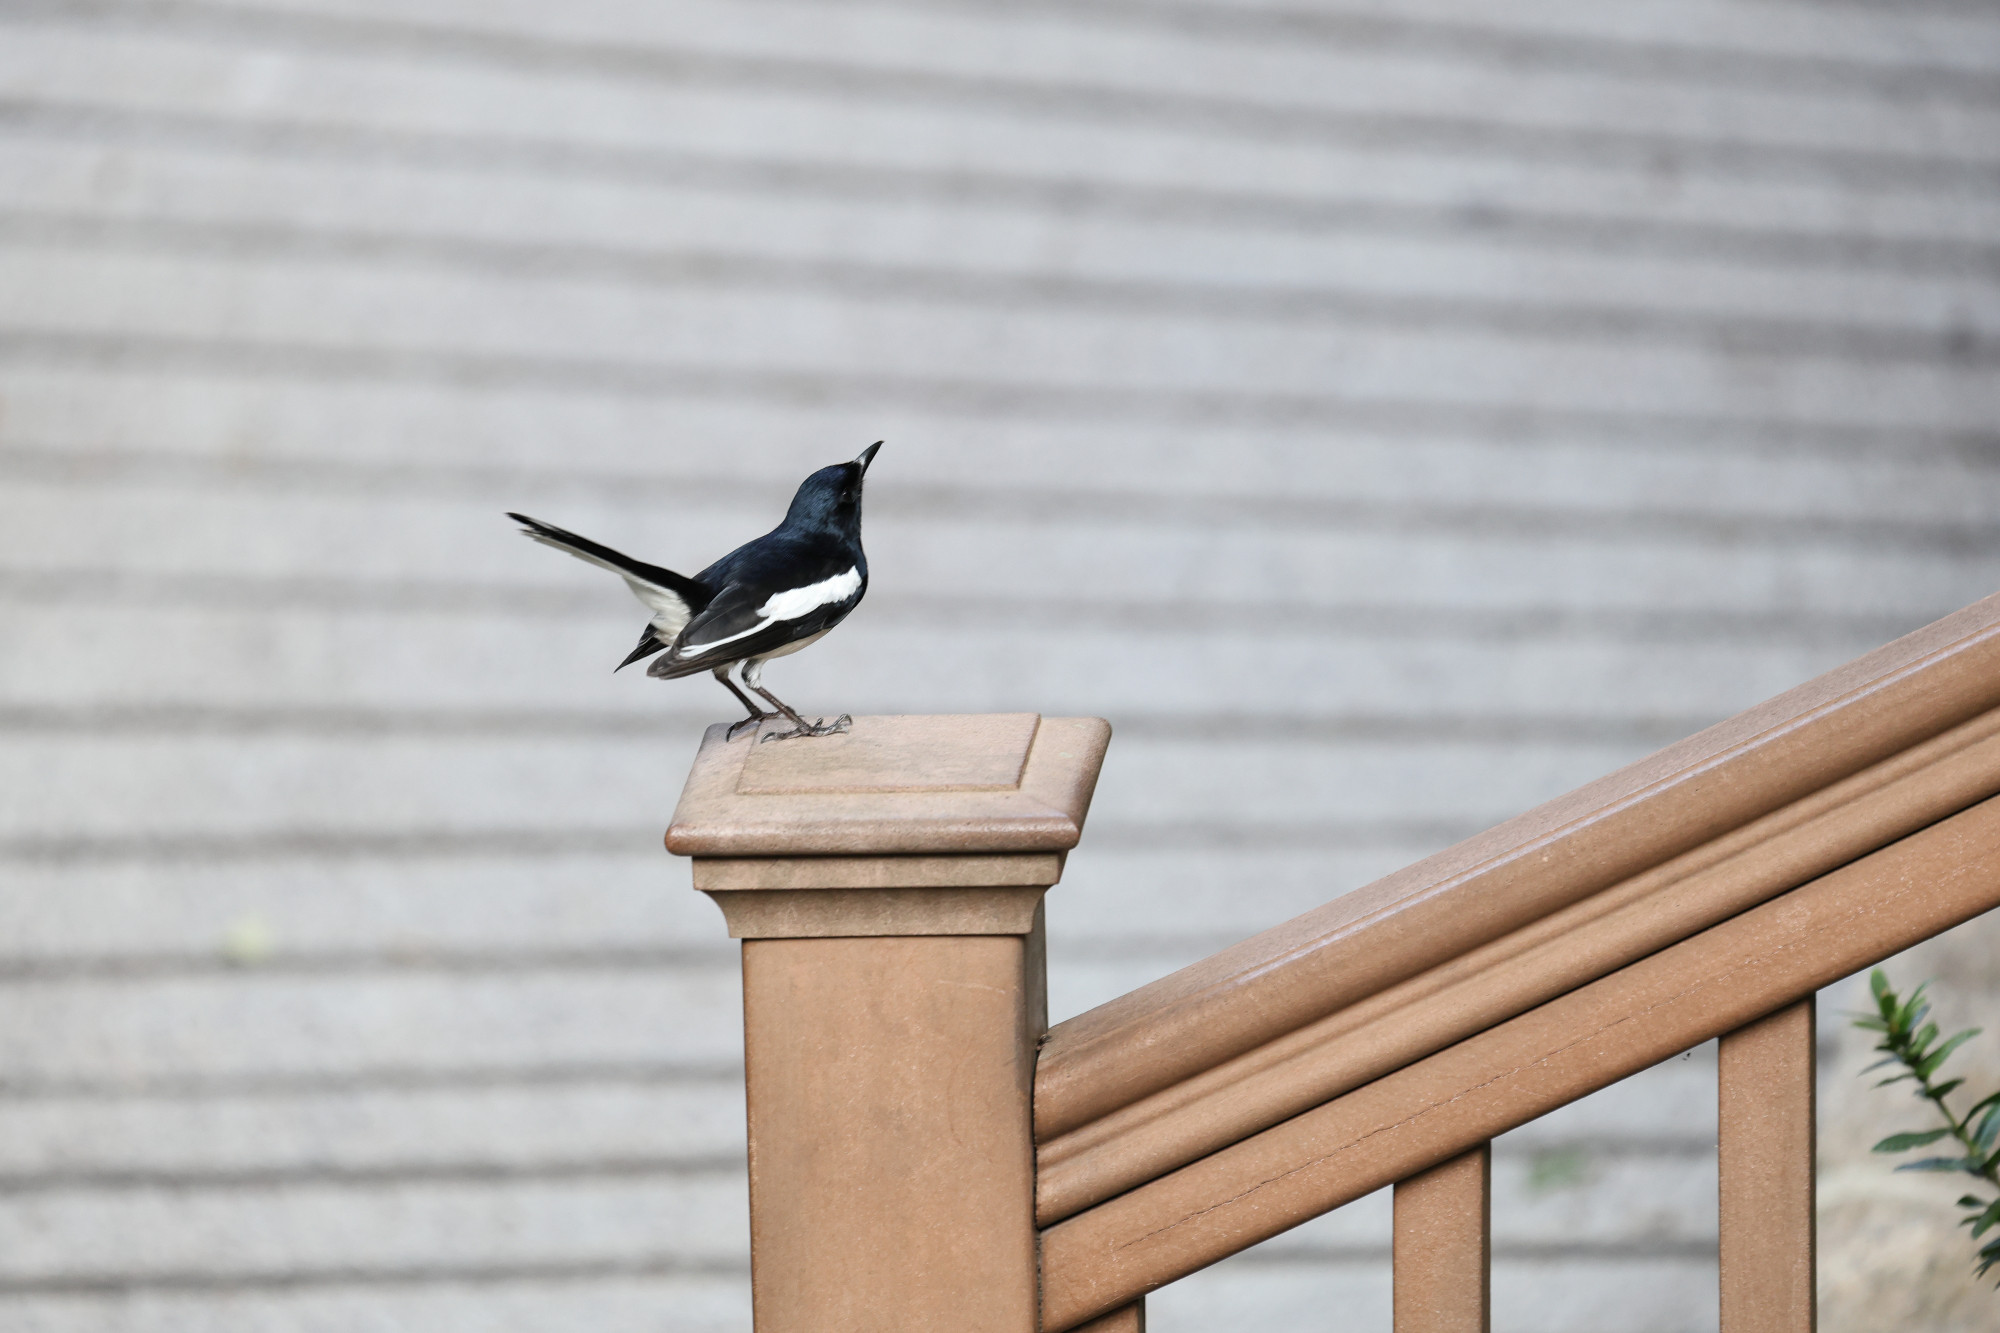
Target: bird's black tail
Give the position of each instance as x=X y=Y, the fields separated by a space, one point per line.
x=649 y=643
x=583 y=548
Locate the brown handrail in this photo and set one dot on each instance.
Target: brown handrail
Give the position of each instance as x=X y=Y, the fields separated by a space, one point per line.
x=1448 y=1103
x=1806 y=782
x=1494 y=982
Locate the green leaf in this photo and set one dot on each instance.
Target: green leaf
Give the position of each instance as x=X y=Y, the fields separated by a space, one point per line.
x=1943 y=1053
x=1905 y=1142
x=1885 y=1060
x=1988 y=1131
x=1878 y=982
x=1927 y=1064
x=1944 y=1090
x=1942 y=1164
x=1897 y=1079
x=1871 y=1024
x=1989 y=1255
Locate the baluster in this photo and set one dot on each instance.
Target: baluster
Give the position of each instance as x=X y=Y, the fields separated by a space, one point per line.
x=1444 y=1246
x=1765 y=1105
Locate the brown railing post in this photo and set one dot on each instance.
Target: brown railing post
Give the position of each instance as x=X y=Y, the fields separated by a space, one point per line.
x=1766 y=1106
x=887 y=887
x=1444 y=1246
x=1131 y=1319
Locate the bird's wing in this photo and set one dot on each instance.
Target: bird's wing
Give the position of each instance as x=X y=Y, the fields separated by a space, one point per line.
x=736 y=614
x=752 y=619
x=674 y=599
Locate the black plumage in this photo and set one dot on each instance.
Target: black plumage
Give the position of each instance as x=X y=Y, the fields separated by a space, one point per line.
x=767 y=598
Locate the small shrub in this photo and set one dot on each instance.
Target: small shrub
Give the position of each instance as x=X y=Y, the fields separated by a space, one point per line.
x=1911 y=1042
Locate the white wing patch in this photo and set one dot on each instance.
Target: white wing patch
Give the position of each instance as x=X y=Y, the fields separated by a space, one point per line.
x=789 y=605
x=802 y=601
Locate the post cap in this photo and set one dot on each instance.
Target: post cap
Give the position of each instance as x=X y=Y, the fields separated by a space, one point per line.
x=950 y=784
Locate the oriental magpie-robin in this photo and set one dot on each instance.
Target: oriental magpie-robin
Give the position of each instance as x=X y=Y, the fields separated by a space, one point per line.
x=766 y=598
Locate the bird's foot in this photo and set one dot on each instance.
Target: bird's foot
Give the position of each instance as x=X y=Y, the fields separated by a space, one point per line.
x=818 y=727
x=741 y=723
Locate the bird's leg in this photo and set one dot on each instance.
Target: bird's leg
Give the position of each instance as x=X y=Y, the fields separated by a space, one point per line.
x=753 y=676
x=756 y=714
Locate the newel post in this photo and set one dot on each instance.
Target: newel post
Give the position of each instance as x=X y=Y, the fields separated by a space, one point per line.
x=887 y=886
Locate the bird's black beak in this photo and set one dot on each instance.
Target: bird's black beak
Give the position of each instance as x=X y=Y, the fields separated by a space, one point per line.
x=868 y=456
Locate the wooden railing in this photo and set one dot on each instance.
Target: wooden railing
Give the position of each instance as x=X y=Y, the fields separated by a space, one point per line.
x=1386 y=1038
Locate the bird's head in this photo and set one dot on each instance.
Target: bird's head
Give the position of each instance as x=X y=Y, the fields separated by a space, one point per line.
x=831 y=497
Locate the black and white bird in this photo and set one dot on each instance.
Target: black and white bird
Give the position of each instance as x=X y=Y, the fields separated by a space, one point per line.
x=766 y=598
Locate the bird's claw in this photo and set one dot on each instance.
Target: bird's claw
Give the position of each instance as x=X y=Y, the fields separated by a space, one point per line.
x=741 y=723
x=818 y=727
